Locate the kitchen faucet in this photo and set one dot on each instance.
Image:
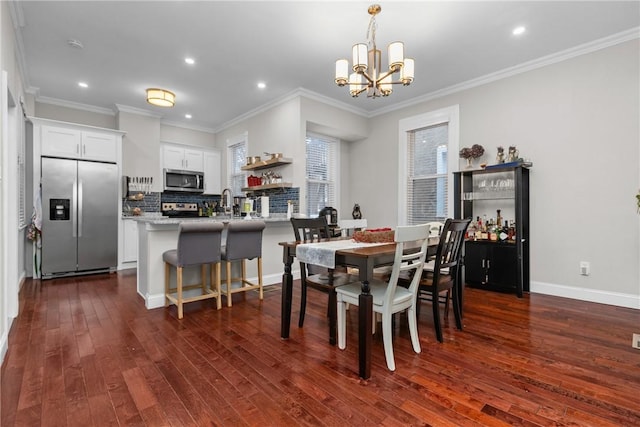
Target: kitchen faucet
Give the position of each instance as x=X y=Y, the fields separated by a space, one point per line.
x=226 y=202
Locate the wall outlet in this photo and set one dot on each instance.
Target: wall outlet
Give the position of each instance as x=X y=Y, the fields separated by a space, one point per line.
x=635 y=343
x=585 y=268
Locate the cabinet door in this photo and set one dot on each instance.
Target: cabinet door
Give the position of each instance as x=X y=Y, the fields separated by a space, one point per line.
x=99 y=146
x=193 y=160
x=503 y=267
x=61 y=142
x=474 y=262
x=130 y=240
x=212 y=184
x=172 y=157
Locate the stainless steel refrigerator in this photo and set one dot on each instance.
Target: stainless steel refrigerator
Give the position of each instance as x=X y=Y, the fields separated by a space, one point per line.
x=79 y=217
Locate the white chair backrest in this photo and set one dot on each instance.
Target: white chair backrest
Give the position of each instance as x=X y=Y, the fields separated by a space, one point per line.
x=410 y=263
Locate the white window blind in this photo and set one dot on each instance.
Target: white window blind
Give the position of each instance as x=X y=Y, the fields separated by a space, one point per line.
x=321 y=172
x=22 y=173
x=236 y=177
x=427 y=174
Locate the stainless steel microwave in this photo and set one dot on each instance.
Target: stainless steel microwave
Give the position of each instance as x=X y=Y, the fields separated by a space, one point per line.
x=184 y=181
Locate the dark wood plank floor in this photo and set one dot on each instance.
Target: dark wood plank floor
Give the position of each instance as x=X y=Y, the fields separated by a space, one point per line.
x=85 y=351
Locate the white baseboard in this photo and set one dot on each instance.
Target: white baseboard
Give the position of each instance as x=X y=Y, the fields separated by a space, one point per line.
x=591 y=295
x=157 y=300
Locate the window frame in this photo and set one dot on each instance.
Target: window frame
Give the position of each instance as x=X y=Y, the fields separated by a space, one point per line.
x=333 y=173
x=241 y=139
x=448 y=115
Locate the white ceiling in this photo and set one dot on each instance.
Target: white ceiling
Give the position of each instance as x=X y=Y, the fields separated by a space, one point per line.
x=132 y=45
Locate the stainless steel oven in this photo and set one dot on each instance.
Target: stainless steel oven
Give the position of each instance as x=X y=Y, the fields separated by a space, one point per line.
x=183 y=181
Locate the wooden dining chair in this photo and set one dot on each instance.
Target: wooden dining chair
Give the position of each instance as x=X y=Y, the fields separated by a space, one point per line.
x=307 y=230
x=444 y=274
x=388 y=297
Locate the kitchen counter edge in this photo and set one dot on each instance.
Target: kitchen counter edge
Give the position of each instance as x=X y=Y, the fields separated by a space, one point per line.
x=164 y=220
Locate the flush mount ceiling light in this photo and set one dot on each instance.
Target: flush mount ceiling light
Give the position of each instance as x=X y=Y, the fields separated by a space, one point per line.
x=367 y=71
x=160 y=97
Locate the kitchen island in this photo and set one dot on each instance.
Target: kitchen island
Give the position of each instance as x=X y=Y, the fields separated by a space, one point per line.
x=158 y=234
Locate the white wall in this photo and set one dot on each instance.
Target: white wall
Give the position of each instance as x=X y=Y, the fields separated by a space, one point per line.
x=180 y=135
x=578 y=121
x=74 y=115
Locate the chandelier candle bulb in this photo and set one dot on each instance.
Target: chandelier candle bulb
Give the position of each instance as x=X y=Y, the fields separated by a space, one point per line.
x=342 y=72
x=396 y=55
x=406 y=75
x=360 y=57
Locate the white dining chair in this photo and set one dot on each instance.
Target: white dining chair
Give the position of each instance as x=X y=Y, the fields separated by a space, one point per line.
x=388 y=297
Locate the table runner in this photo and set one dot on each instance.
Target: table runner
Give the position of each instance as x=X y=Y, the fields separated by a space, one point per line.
x=324 y=253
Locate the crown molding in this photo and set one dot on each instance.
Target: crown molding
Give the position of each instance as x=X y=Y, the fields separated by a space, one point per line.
x=119 y=108
x=74 y=105
x=296 y=93
x=583 y=49
x=189 y=126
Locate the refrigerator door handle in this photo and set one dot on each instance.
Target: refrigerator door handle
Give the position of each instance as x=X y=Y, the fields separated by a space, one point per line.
x=74 y=208
x=80 y=209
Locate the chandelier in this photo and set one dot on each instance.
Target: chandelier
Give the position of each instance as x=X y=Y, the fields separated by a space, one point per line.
x=367 y=71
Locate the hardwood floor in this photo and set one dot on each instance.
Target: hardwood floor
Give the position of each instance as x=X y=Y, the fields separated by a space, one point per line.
x=85 y=351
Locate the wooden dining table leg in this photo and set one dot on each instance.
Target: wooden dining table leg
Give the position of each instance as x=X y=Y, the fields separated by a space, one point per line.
x=365 y=319
x=287 y=296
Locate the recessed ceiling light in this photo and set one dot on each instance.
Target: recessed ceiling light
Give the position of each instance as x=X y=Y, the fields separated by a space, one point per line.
x=83 y=84
x=190 y=61
x=187 y=116
x=519 y=30
x=262 y=85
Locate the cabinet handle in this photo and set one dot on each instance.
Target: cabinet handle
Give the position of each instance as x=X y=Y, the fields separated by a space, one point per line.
x=488 y=263
x=482 y=263
x=77 y=151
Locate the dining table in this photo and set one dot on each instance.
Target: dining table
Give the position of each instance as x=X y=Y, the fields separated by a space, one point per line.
x=365 y=259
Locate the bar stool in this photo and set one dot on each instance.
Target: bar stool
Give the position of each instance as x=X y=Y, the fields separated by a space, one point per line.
x=198 y=244
x=244 y=241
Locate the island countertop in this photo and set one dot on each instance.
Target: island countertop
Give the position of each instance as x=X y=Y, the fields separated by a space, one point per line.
x=164 y=220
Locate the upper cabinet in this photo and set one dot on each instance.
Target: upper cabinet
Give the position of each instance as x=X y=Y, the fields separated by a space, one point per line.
x=79 y=144
x=212 y=183
x=183 y=158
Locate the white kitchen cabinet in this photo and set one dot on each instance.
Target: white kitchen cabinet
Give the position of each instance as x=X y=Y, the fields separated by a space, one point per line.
x=77 y=144
x=212 y=177
x=182 y=158
x=130 y=234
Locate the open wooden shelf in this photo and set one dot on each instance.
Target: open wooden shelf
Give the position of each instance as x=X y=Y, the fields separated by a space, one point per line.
x=268 y=186
x=264 y=164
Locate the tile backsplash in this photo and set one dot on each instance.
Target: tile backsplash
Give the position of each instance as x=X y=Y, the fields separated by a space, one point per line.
x=152 y=201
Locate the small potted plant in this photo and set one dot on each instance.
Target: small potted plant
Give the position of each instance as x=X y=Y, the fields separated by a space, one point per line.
x=469 y=154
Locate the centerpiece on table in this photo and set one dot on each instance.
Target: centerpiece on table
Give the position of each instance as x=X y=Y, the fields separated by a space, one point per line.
x=469 y=154
x=374 y=235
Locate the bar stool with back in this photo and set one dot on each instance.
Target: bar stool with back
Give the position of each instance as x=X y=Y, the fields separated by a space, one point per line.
x=198 y=244
x=244 y=241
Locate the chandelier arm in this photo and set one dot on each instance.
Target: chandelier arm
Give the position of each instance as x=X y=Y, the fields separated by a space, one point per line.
x=369 y=79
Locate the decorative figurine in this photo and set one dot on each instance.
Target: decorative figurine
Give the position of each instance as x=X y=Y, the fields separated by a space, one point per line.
x=356 y=212
x=513 y=154
x=500 y=156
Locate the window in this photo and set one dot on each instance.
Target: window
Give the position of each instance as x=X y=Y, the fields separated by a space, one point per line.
x=425 y=165
x=321 y=172
x=236 y=158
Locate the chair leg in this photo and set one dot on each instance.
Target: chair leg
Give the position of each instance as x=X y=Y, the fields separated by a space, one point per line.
x=342 y=323
x=413 y=328
x=260 y=278
x=179 y=281
x=457 y=310
x=228 y=283
x=446 y=304
x=387 y=339
x=436 y=313
x=303 y=303
x=332 y=316
x=217 y=283
x=167 y=278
